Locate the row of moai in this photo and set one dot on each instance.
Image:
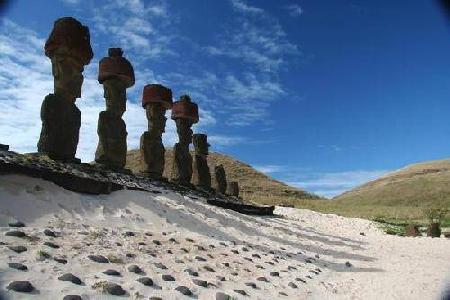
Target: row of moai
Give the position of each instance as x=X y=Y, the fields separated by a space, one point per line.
x=69 y=50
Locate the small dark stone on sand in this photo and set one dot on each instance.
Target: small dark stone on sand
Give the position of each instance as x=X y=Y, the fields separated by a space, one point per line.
x=235 y=251
x=51 y=245
x=249 y=259
x=141 y=244
x=245 y=249
x=189 y=240
x=172 y=240
x=301 y=280
x=149 y=234
x=179 y=261
x=130 y=255
x=18 y=266
x=60 y=260
x=135 y=269
x=98 y=259
x=242 y=292
x=129 y=233
x=167 y=277
x=262 y=279
x=155 y=298
x=290 y=268
x=72 y=297
x=160 y=266
x=252 y=284
x=200 y=248
x=222 y=296
x=16 y=224
x=209 y=269
x=274 y=274
x=114 y=289
x=226 y=264
x=348 y=264
x=184 y=250
x=111 y=272
x=18 y=249
x=220 y=278
x=191 y=272
x=20 y=286
x=200 y=282
x=145 y=281
x=223 y=244
x=256 y=255
x=308 y=261
x=49 y=232
x=234 y=273
x=184 y=290
x=292 y=285
x=199 y=258
x=362 y=233
x=283 y=293
x=70 y=277
x=259 y=267
x=168 y=251
x=15 y=233
x=156 y=242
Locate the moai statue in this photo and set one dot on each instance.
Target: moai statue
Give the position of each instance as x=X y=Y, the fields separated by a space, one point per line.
x=185 y=114
x=233 y=189
x=116 y=74
x=201 y=176
x=69 y=50
x=156 y=99
x=221 y=179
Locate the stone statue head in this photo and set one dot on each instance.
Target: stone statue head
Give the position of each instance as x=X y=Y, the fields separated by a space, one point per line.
x=184 y=131
x=201 y=145
x=68 y=77
x=156 y=117
x=115 y=95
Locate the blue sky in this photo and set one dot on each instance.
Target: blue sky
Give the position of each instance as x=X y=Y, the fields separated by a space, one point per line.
x=323 y=95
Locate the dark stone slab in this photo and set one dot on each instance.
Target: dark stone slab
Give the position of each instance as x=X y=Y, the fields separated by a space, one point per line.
x=20 y=286
x=70 y=277
x=18 y=266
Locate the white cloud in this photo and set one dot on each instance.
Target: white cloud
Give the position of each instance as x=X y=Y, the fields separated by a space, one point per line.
x=335 y=183
x=295 y=10
x=242 y=6
x=268 y=169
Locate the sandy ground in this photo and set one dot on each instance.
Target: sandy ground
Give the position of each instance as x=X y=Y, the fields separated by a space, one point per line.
x=317 y=256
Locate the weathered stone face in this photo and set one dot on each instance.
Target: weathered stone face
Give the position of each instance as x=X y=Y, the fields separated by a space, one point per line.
x=221 y=179
x=152 y=150
x=184 y=131
x=201 y=175
x=201 y=145
x=156 y=118
x=116 y=96
x=182 y=164
x=68 y=77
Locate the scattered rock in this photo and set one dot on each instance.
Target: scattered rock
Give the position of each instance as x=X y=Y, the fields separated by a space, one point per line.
x=208 y=268
x=167 y=277
x=129 y=233
x=362 y=233
x=145 y=281
x=199 y=282
x=20 y=286
x=220 y=278
x=179 y=261
x=252 y=284
x=259 y=267
x=148 y=234
x=274 y=274
x=160 y=266
x=70 y=277
x=199 y=258
x=155 y=298
x=60 y=260
x=283 y=293
x=18 y=249
x=242 y=292
x=235 y=251
x=301 y=280
x=184 y=250
x=16 y=224
x=98 y=259
x=292 y=285
x=290 y=268
x=256 y=255
x=156 y=242
x=308 y=261
x=111 y=272
x=222 y=296
x=130 y=255
x=49 y=232
x=72 y=297
x=191 y=272
x=18 y=266
x=184 y=290
x=262 y=278
x=226 y=264
x=245 y=249
x=172 y=240
x=114 y=289
x=135 y=269
x=200 y=248
x=348 y=264
x=15 y=233
x=189 y=240
x=51 y=245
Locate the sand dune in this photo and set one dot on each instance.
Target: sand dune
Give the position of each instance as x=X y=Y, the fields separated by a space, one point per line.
x=298 y=254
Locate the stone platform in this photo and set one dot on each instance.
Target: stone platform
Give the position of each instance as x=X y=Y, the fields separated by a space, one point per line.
x=95 y=179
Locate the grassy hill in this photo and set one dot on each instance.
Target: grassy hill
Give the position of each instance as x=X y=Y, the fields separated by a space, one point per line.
x=403 y=194
x=254 y=186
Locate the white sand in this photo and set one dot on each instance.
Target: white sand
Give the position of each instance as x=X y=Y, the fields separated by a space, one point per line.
x=383 y=266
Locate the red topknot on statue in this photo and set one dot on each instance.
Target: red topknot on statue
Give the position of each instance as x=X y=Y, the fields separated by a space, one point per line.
x=156 y=93
x=116 y=66
x=69 y=37
x=185 y=109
